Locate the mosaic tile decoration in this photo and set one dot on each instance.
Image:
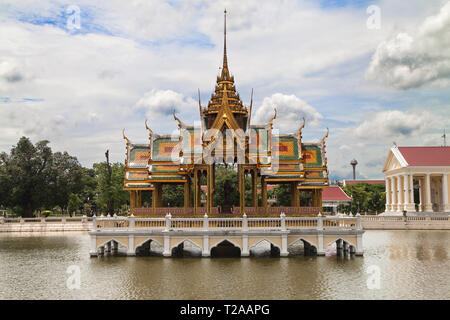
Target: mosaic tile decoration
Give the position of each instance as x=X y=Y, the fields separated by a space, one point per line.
x=312 y=156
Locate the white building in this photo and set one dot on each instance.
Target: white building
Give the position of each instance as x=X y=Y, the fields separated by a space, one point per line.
x=424 y=168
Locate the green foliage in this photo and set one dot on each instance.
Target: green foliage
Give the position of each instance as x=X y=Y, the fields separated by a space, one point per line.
x=110 y=191
x=283 y=195
x=226 y=190
x=366 y=198
x=173 y=195
x=73 y=204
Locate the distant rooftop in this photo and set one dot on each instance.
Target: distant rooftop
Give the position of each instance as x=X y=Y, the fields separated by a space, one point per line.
x=371 y=181
x=426 y=156
x=334 y=193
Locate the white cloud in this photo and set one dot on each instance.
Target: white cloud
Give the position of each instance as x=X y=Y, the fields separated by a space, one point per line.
x=410 y=61
x=393 y=124
x=290 y=111
x=159 y=103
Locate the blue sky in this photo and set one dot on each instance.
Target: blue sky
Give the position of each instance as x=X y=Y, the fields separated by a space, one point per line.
x=127 y=62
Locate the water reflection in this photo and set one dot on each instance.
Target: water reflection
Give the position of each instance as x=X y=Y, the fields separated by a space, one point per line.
x=413 y=265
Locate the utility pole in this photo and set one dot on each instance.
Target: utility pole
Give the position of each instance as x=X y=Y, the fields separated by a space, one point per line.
x=109 y=185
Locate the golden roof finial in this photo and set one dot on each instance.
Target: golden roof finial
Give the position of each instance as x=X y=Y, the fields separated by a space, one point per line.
x=175 y=117
x=150 y=132
x=250 y=110
x=126 y=139
x=274 y=116
x=301 y=127
x=225 y=71
x=326 y=136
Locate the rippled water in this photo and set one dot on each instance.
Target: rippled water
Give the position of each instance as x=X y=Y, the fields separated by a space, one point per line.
x=413 y=265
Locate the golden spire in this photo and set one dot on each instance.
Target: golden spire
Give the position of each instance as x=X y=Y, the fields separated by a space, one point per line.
x=225 y=72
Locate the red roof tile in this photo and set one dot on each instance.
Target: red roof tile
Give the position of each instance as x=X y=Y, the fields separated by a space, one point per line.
x=364 y=181
x=334 y=193
x=426 y=156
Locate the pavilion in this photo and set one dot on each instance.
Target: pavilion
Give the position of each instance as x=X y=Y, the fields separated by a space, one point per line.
x=226 y=135
x=426 y=169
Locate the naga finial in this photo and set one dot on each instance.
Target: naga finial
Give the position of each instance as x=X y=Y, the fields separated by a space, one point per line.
x=302 y=126
x=126 y=139
x=274 y=116
x=150 y=132
x=175 y=117
x=326 y=136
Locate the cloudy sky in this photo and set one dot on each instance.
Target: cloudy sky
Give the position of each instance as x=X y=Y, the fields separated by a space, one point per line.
x=78 y=72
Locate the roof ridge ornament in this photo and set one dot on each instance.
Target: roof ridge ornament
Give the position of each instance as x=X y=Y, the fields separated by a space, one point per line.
x=150 y=132
x=326 y=136
x=274 y=116
x=126 y=139
x=395 y=144
x=175 y=117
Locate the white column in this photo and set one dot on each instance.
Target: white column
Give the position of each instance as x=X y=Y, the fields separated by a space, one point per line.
x=428 y=205
x=394 y=194
x=406 y=191
x=245 y=252
x=421 y=194
x=411 y=193
x=130 y=251
x=320 y=249
x=388 y=195
x=93 y=251
x=399 y=194
x=445 y=191
x=167 y=252
x=205 y=252
x=359 y=245
x=284 y=247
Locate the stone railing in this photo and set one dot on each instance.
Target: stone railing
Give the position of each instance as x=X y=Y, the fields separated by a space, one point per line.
x=243 y=223
x=408 y=222
x=54 y=223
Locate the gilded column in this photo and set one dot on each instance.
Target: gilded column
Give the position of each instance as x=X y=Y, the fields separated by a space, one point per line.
x=255 y=188
x=264 y=194
x=187 y=194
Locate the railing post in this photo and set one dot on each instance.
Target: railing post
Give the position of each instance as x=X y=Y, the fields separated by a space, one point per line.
x=244 y=222
x=358 y=221
x=131 y=222
x=84 y=219
x=283 y=221
x=94 y=223
x=22 y=221
x=168 y=222
x=319 y=222
x=205 y=222
x=2 y=220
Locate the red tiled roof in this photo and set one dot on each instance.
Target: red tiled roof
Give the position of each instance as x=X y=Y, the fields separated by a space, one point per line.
x=364 y=181
x=334 y=193
x=426 y=156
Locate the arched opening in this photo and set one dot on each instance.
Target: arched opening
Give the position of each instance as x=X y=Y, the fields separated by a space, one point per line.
x=186 y=249
x=150 y=248
x=340 y=248
x=264 y=248
x=302 y=247
x=225 y=249
x=111 y=248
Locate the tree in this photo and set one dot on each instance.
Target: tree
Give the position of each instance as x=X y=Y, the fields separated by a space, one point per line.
x=73 y=204
x=109 y=187
x=25 y=175
x=366 y=197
